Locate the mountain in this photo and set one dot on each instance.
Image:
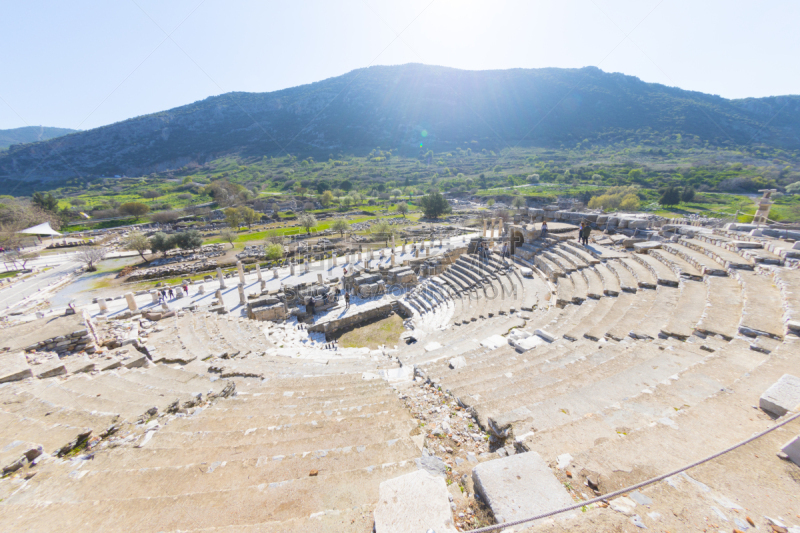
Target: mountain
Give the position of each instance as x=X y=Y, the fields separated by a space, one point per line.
x=30 y=134
x=409 y=108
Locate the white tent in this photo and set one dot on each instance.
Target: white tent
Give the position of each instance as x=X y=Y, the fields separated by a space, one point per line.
x=41 y=229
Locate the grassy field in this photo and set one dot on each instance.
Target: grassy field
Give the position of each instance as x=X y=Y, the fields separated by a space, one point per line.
x=383 y=332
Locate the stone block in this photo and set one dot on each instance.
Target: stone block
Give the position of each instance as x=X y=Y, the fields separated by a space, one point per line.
x=78 y=364
x=50 y=369
x=493 y=342
x=783 y=396
x=14 y=367
x=549 y=337
x=458 y=362
x=519 y=486
x=792 y=450
x=414 y=502
x=136 y=361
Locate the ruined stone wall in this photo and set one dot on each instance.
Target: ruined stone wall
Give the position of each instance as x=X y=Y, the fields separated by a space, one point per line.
x=376 y=313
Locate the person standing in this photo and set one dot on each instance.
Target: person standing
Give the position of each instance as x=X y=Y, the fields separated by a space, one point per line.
x=580 y=232
x=587 y=229
x=544 y=229
x=346 y=300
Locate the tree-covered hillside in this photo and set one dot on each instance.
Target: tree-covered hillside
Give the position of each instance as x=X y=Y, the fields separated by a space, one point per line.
x=29 y=134
x=413 y=110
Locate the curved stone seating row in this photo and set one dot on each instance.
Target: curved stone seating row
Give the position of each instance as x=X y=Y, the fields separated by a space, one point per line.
x=244 y=463
x=762 y=313
x=726 y=258
x=662 y=273
x=700 y=261
x=788 y=281
x=644 y=277
x=678 y=264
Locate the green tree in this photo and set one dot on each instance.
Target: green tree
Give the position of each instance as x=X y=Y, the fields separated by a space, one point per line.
x=307 y=221
x=248 y=216
x=161 y=242
x=228 y=235
x=402 y=208
x=139 y=243
x=483 y=182
x=395 y=193
x=151 y=194
x=635 y=175
x=274 y=251
x=687 y=195
x=519 y=202
x=341 y=226
x=490 y=202
x=793 y=188
x=326 y=199
x=233 y=217
x=46 y=201
x=670 y=196
x=434 y=205
x=188 y=240
x=134 y=209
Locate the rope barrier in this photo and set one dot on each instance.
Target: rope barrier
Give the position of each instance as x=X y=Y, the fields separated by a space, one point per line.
x=637 y=486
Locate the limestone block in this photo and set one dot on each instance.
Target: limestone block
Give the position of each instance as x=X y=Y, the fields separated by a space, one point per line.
x=792 y=450
x=414 y=502
x=131 y=301
x=14 y=367
x=549 y=337
x=50 y=369
x=495 y=341
x=529 y=343
x=79 y=365
x=527 y=272
x=782 y=396
x=136 y=361
x=519 y=486
x=458 y=362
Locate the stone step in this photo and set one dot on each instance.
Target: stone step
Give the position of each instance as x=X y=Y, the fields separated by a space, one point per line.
x=248 y=504
x=644 y=277
x=577 y=330
x=225 y=470
x=594 y=282
x=624 y=378
x=619 y=309
x=688 y=311
x=665 y=406
x=17 y=427
x=548 y=267
x=723 y=310
x=662 y=311
x=581 y=252
x=642 y=305
x=565 y=292
x=627 y=281
x=663 y=273
x=563 y=264
x=563 y=252
x=726 y=258
x=761 y=314
x=788 y=281
x=580 y=287
x=610 y=281
x=678 y=264
x=702 y=262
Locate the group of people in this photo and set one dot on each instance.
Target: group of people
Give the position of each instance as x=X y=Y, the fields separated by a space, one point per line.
x=164 y=294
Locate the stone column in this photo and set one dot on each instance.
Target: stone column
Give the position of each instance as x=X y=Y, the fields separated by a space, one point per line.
x=360 y=258
x=131 y=301
x=258 y=272
x=201 y=289
x=484 y=228
x=218 y=295
x=392 y=260
x=427 y=250
x=221 y=278
x=241 y=272
x=242 y=298
x=103 y=305
x=306 y=265
x=393 y=245
x=319 y=279
x=291 y=268
x=335 y=259
x=404 y=247
x=274 y=273
x=263 y=285
x=154 y=296
x=416 y=253
x=500 y=227
x=179 y=292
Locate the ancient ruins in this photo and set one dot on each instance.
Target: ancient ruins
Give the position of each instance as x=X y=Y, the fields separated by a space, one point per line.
x=524 y=382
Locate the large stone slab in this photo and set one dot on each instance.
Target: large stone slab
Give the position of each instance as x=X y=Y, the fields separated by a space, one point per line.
x=782 y=396
x=414 y=502
x=792 y=450
x=519 y=486
x=14 y=367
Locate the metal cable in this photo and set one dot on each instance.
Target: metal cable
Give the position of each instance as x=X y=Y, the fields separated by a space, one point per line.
x=637 y=486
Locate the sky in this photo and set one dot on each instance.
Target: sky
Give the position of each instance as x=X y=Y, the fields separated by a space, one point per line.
x=83 y=64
